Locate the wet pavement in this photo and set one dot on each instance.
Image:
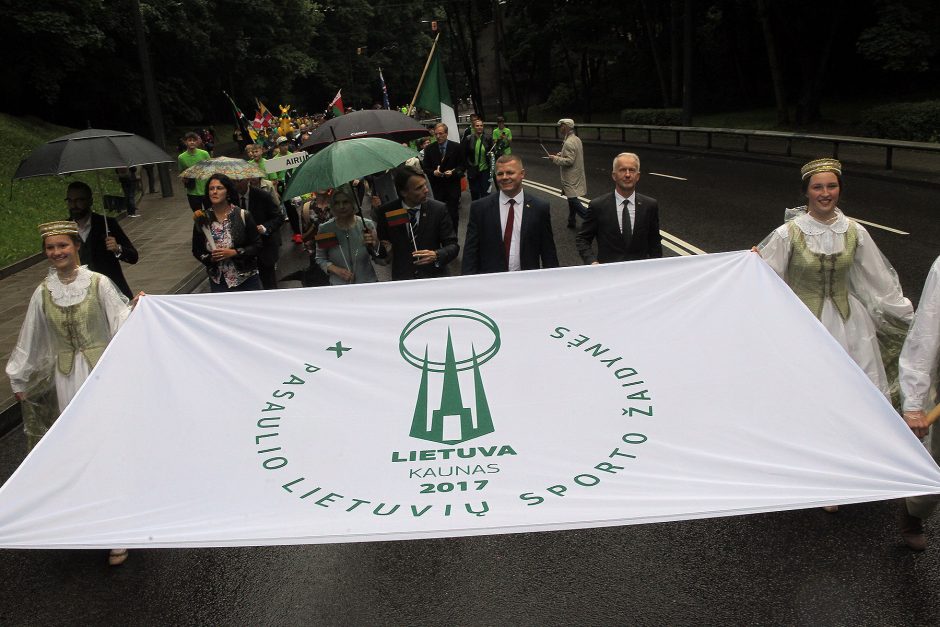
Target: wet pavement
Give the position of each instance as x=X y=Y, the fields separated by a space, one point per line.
x=796 y=568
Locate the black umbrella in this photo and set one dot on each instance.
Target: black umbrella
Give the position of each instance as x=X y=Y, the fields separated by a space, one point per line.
x=91 y=149
x=380 y=123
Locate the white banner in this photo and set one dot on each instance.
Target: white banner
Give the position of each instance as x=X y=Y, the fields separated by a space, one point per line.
x=287 y=162
x=559 y=399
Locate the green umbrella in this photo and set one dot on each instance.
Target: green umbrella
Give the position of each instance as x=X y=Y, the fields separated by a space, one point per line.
x=343 y=161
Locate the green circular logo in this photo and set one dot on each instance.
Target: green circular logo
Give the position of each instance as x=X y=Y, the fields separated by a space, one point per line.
x=478 y=359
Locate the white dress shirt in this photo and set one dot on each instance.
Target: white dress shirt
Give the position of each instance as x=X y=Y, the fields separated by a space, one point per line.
x=631 y=209
x=515 y=263
x=84 y=227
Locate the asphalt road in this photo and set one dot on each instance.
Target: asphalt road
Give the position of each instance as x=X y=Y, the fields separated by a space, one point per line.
x=801 y=568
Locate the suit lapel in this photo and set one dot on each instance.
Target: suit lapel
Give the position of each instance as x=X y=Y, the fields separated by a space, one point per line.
x=494 y=222
x=422 y=225
x=97 y=226
x=528 y=217
x=640 y=217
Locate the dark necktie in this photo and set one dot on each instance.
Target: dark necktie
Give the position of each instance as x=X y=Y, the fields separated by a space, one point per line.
x=413 y=215
x=507 y=233
x=627 y=229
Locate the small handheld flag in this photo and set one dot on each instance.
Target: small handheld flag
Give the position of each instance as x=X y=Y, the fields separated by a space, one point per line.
x=326 y=240
x=397 y=217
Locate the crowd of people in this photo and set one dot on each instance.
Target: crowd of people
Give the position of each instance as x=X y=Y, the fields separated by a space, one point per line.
x=829 y=260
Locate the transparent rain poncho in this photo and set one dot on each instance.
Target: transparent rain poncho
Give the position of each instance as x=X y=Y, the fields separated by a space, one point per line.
x=37 y=366
x=839 y=273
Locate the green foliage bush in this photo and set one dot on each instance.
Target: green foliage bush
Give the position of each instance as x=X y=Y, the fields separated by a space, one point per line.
x=910 y=121
x=651 y=117
x=562 y=98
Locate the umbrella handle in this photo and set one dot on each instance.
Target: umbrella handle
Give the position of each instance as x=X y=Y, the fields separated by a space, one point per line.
x=104 y=211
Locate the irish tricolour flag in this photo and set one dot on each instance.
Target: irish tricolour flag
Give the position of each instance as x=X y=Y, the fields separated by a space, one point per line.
x=433 y=94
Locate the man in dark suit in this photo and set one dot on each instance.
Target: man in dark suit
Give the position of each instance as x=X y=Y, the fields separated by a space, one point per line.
x=626 y=224
x=509 y=230
x=269 y=218
x=102 y=252
x=444 y=164
x=419 y=231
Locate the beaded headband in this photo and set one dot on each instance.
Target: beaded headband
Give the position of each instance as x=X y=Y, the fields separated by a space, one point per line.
x=62 y=227
x=821 y=165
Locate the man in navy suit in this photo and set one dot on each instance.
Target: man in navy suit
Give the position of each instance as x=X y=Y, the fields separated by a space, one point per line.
x=444 y=165
x=625 y=223
x=417 y=230
x=509 y=230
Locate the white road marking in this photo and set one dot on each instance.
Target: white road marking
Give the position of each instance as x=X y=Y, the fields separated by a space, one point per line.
x=680 y=242
x=698 y=251
x=544 y=188
x=675 y=248
x=670 y=241
x=668 y=176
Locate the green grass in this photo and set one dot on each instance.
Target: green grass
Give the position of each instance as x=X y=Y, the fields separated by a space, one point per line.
x=27 y=203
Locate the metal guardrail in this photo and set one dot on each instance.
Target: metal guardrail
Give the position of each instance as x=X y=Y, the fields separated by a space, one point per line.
x=610 y=132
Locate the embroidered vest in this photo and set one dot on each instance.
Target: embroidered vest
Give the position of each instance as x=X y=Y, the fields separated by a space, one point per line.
x=82 y=327
x=817 y=277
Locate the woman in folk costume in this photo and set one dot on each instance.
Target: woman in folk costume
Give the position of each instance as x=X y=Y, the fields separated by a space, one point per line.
x=72 y=316
x=833 y=265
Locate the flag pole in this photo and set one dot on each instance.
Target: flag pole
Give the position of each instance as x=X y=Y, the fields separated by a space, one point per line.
x=427 y=64
x=104 y=209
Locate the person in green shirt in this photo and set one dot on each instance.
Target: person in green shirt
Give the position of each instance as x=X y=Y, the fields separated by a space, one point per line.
x=254 y=152
x=502 y=138
x=195 y=189
x=282 y=150
x=281 y=179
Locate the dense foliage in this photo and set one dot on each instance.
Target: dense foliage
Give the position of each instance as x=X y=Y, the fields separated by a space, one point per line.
x=77 y=62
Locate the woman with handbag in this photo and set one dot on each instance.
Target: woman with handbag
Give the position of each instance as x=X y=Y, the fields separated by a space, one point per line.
x=226 y=240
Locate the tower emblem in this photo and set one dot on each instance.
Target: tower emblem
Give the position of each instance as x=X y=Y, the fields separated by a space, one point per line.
x=452 y=422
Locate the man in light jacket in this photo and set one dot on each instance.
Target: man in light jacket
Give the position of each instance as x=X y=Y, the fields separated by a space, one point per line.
x=571 y=162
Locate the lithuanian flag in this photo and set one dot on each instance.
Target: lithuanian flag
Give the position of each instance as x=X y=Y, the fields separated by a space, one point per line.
x=397 y=217
x=326 y=240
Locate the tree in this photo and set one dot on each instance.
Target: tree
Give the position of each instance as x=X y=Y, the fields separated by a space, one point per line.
x=901 y=39
x=776 y=74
